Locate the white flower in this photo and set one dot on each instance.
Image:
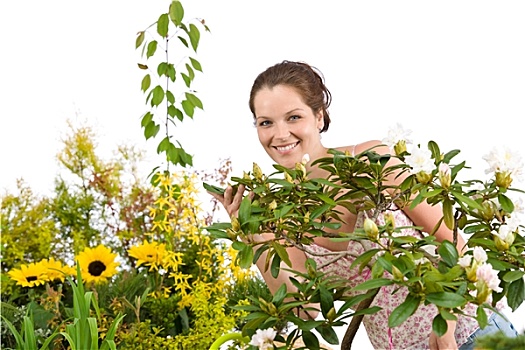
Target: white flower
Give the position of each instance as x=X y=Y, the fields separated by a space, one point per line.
x=480 y=255
x=263 y=339
x=420 y=160
x=306 y=159
x=503 y=160
x=506 y=233
x=489 y=276
x=397 y=134
x=421 y=261
x=465 y=260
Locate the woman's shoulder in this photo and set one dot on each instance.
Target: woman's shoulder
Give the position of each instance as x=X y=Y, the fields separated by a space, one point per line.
x=377 y=145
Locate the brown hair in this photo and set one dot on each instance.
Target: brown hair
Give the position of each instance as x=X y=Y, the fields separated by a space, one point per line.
x=308 y=81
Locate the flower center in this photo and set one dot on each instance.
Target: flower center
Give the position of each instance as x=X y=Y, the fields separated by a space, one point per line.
x=31 y=278
x=96 y=268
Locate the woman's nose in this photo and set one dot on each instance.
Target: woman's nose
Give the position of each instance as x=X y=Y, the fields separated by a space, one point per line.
x=282 y=131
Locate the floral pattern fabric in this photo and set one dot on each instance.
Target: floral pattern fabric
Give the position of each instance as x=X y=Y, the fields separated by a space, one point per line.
x=415 y=331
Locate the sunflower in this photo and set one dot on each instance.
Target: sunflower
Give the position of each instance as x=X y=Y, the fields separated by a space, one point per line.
x=56 y=270
x=30 y=275
x=149 y=254
x=97 y=264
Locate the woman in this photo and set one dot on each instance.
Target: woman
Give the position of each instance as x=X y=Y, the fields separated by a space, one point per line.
x=289 y=102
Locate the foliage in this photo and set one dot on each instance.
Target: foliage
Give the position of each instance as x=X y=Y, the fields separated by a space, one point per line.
x=173 y=293
x=166 y=107
x=499 y=341
x=297 y=209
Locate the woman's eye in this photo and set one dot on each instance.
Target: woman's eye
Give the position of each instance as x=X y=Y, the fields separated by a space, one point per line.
x=264 y=123
x=295 y=117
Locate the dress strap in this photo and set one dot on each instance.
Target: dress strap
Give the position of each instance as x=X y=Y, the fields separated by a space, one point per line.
x=353 y=151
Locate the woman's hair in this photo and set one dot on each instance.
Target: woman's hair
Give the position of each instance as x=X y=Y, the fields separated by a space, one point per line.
x=308 y=81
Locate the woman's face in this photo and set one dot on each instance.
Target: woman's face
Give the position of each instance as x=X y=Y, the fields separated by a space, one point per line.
x=287 y=128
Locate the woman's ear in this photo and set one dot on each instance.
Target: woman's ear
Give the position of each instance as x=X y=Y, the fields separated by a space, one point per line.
x=320 y=120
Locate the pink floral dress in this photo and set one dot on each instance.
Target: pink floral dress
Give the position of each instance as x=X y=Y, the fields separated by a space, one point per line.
x=415 y=331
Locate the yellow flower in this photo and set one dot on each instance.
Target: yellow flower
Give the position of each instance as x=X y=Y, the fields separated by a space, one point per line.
x=55 y=269
x=30 y=275
x=150 y=254
x=97 y=264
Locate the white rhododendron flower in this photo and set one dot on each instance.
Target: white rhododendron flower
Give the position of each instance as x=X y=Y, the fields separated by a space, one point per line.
x=505 y=233
x=465 y=260
x=420 y=160
x=504 y=160
x=480 y=255
x=397 y=134
x=486 y=274
x=263 y=338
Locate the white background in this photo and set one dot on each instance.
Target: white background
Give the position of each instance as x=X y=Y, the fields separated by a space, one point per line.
x=451 y=71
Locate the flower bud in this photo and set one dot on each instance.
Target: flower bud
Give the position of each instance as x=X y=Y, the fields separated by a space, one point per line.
x=423 y=177
x=236 y=225
x=396 y=273
x=272 y=205
x=288 y=178
x=400 y=147
x=371 y=229
x=390 y=222
x=331 y=315
x=444 y=175
x=503 y=179
x=257 y=172
x=488 y=211
x=300 y=167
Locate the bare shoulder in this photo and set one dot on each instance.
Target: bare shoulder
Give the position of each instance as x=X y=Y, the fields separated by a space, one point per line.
x=377 y=145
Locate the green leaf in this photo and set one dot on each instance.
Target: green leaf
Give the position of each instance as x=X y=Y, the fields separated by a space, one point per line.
x=275 y=266
x=245 y=210
x=188 y=108
x=328 y=334
x=246 y=257
x=310 y=340
x=163 y=145
x=446 y=299
x=162 y=25
x=466 y=200
x=140 y=39
x=373 y=283
x=194 y=100
x=448 y=214
x=481 y=317
x=281 y=251
x=327 y=300
x=403 y=311
x=152 y=48
x=158 y=96
x=512 y=276
x=29 y=334
x=176 y=12
x=439 y=325
x=196 y=64
x=516 y=294
x=506 y=203
x=195 y=36
x=448 y=252
x=326 y=199
x=146 y=83
x=279 y=295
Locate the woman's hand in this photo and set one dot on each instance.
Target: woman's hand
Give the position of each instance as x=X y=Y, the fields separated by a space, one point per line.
x=230 y=200
x=447 y=341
